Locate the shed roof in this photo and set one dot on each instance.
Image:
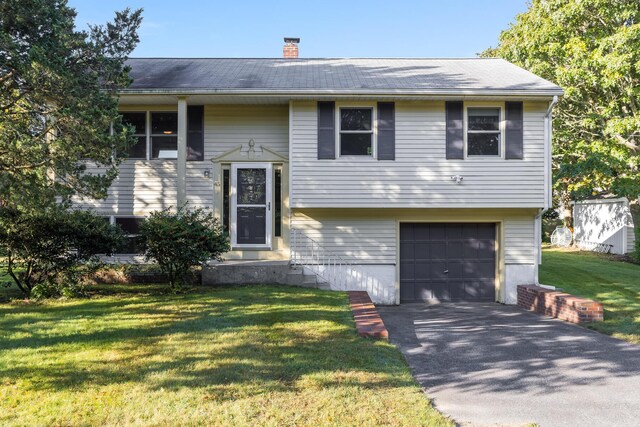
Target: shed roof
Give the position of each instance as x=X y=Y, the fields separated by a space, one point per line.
x=335 y=75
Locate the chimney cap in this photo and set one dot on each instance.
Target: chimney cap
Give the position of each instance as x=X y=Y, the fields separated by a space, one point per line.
x=294 y=40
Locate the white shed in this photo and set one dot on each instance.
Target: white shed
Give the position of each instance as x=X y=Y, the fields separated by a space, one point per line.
x=604 y=221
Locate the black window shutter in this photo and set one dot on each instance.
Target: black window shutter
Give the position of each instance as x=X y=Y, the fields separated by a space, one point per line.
x=386 y=131
x=326 y=130
x=195 y=132
x=455 y=130
x=514 y=133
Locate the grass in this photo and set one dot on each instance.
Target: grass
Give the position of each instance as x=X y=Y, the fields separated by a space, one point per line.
x=254 y=355
x=615 y=284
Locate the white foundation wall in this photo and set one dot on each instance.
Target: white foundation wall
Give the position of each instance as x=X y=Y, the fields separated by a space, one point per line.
x=517 y=274
x=378 y=280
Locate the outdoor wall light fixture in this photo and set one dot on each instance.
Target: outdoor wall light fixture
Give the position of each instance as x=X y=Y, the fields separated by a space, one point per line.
x=207 y=173
x=457 y=178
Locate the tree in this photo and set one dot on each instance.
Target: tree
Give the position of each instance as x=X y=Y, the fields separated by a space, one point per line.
x=54 y=244
x=180 y=240
x=592 y=49
x=58 y=100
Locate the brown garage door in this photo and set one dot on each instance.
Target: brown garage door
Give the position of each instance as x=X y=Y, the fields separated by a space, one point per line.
x=447 y=262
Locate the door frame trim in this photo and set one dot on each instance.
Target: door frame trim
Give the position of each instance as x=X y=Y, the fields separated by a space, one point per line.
x=233 y=220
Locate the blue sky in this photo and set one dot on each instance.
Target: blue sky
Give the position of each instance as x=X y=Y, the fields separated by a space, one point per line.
x=328 y=28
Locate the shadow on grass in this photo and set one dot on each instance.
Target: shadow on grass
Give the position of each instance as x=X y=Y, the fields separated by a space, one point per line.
x=615 y=284
x=229 y=341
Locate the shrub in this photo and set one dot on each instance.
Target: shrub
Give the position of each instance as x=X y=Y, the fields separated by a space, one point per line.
x=180 y=240
x=48 y=251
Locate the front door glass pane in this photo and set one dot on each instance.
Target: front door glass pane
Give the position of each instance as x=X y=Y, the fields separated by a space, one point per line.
x=252 y=189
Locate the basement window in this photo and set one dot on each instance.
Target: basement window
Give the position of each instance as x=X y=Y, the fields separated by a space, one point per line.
x=131 y=228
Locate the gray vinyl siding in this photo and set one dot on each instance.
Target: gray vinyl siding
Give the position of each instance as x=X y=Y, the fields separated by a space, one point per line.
x=144 y=186
x=420 y=176
x=227 y=126
x=519 y=240
x=365 y=241
x=370 y=237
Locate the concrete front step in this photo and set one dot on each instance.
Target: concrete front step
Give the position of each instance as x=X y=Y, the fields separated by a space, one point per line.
x=259 y=272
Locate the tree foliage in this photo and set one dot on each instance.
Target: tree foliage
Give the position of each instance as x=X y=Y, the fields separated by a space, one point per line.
x=47 y=246
x=592 y=49
x=180 y=240
x=57 y=100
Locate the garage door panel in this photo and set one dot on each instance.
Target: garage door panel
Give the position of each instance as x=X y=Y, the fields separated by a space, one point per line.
x=479 y=269
x=470 y=248
x=447 y=261
x=453 y=232
x=407 y=270
x=423 y=251
x=486 y=231
x=432 y=290
x=406 y=232
x=455 y=270
x=406 y=291
x=438 y=250
x=437 y=231
x=458 y=291
x=487 y=246
x=407 y=248
x=435 y=271
x=454 y=249
x=480 y=289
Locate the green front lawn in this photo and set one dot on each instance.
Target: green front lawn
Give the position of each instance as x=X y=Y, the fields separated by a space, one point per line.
x=615 y=284
x=254 y=355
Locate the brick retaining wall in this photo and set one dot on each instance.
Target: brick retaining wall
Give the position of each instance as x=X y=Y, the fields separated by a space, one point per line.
x=559 y=304
x=368 y=321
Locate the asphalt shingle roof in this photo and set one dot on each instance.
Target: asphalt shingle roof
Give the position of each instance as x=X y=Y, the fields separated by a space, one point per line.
x=344 y=75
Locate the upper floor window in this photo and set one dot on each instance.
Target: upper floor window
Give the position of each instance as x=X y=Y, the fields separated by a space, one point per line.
x=483 y=131
x=139 y=122
x=356 y=131
x=164 y=139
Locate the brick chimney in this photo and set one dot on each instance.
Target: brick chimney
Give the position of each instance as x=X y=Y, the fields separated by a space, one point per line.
x=290 y=49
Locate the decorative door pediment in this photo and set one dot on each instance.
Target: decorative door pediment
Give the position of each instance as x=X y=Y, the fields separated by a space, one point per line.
x=250 y=152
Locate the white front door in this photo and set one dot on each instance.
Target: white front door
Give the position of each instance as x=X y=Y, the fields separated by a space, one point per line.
x=251 y=205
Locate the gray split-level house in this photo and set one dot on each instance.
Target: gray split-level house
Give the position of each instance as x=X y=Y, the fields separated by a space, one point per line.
x=413 y=179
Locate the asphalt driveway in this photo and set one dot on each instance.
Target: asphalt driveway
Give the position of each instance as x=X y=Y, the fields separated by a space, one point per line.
x=489 y=364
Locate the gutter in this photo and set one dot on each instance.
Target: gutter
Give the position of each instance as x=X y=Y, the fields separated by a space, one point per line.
x=547 y=183
x=343 y=92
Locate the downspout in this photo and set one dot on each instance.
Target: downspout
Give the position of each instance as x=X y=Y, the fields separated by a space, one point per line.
x=547 y=183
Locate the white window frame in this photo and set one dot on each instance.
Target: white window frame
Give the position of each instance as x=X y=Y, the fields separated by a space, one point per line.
x=268 y=205
x=373 y=131
x=501 y=129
